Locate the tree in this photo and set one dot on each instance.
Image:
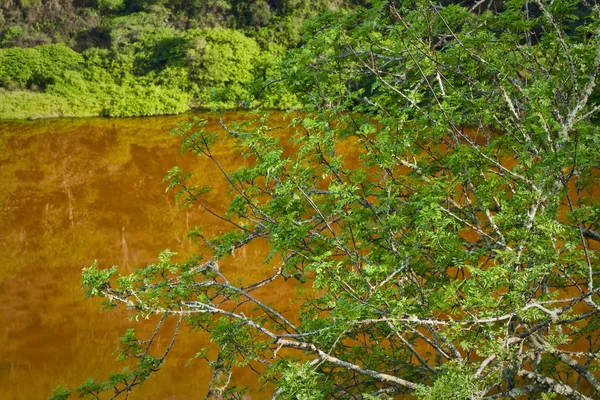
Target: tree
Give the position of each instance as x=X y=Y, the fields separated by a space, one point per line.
x=438 y=205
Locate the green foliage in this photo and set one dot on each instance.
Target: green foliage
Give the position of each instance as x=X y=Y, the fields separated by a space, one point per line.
x=221 y=60
x=60 y=393
x=301 y=382
x=148 y=57
x=453 y=383
x=27 y=104
x=149 y=71
x=96 y=280
x=11 y=33
x=130 y=345
x=435 y=208
x=38 y=66
x=111 y=5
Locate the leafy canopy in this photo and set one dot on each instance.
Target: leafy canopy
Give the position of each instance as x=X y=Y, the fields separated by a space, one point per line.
x=437 y=207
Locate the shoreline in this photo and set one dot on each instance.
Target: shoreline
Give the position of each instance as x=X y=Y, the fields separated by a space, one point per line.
x=194 y=110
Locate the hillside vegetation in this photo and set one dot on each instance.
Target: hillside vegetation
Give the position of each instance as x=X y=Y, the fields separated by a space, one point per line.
x=131 y=57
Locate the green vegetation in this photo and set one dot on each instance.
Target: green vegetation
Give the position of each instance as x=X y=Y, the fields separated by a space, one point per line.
x=150 y=71
x=125 y=58
x=437 y=209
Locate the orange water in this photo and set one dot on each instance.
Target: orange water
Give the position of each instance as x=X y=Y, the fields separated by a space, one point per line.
x=72 y=191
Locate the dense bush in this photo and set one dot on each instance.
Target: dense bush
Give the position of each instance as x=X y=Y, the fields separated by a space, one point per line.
x=136 y=57
x=148 y=71
x=38 y=66
x=221 y=59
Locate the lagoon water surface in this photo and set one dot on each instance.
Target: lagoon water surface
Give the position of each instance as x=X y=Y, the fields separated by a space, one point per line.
x=76 y=190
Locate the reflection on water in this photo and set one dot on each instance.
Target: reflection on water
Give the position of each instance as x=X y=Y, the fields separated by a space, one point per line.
x=72 y=191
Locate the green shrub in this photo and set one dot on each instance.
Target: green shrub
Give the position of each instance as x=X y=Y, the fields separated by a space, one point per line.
x=149 y=68
x=137 y=97
x=37 y=66
x=111 y=5
x=132 y=96
x=34 y=105
x=138 y=27
x=221 y=59
x=11 y=33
